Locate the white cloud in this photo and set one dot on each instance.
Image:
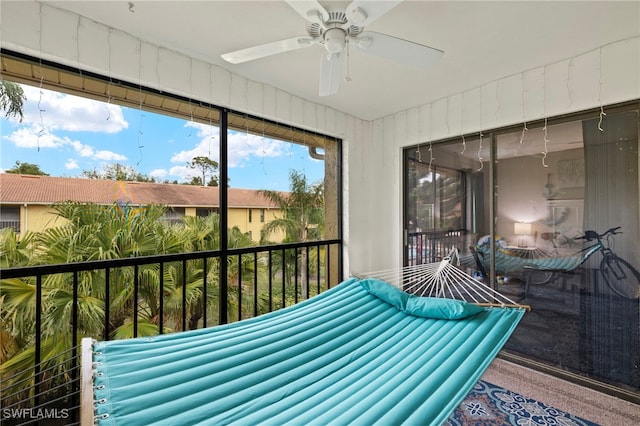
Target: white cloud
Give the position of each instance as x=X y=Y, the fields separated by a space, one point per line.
x=82 y=149
x=108 y=156
x=158 y=173
x=200 y=150
x=71 y=164
x=183 y=173
x=58 y=111
x=242 y=146
x=33 y=137
x=207 y=146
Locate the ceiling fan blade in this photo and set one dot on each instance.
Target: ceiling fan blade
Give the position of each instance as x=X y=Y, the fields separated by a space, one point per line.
x=363 y=12
x=310 y=10
x=397 y=49
x=331 y=73
x=267 y=49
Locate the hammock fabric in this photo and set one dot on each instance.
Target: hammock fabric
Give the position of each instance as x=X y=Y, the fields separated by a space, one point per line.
x=343 y=357
x=506 y=261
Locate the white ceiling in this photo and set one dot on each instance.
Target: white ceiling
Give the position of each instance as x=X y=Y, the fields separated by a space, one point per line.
x=483 y=41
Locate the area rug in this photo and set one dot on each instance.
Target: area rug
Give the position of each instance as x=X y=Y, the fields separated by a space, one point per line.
x=488 y=404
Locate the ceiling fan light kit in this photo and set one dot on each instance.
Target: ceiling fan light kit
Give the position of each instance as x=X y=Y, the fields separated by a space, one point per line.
x=334 y=40
x=335 y=29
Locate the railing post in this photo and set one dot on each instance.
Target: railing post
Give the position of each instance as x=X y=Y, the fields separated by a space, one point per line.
x=204 y=292
x=295 y=273
x=135 y=301
x=161 y=300
x=327 y=269
x=37 y=375
x=306 y=286
x=107 y=302
x=239 y=287
x=270 y=280
x=74 y=343
x=184 y=295
x=255 y=284
x=74 y=314
x=318 y=250
x=284 y=278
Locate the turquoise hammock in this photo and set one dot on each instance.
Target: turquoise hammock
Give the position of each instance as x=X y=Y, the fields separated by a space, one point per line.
x=507 y=261
x=361 y=353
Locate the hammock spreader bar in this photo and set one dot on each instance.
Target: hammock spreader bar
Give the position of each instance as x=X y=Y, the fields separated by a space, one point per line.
x=342 y=357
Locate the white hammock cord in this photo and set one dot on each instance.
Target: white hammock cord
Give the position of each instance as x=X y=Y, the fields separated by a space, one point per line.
x=441 y=279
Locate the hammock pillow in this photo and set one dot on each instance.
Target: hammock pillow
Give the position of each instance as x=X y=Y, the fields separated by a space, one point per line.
x=387 y=292
x=426 y=307
x=438 y=308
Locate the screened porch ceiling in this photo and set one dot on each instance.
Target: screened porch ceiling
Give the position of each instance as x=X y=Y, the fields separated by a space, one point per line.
x=483 y=42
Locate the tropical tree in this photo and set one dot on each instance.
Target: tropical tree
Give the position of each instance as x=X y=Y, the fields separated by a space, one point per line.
x=90 y=232
x=26 y=169
x=206 y=166
x=302 y=215
x=201 y=234
x=14 y=251
x=117 y=171
x=95 y=232
x=12 y=99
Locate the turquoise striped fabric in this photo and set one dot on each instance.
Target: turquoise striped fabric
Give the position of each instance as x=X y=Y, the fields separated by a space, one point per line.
x=343 y=357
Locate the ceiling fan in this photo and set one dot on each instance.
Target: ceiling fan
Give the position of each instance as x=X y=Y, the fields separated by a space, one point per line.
x=337 y=30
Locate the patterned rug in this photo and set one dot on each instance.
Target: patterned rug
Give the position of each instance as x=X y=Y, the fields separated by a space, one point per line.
x=488 y=404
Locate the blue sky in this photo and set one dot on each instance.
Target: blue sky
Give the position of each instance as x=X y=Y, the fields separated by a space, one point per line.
x=65 y=134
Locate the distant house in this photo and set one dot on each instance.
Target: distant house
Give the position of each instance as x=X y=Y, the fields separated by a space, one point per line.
x=25 y=200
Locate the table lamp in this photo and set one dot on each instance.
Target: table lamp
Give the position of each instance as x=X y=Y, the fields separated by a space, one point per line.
x=522 y=229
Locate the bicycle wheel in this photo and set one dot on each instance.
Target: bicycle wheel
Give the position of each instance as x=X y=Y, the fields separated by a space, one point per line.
x=538 y=277
x=622 y=278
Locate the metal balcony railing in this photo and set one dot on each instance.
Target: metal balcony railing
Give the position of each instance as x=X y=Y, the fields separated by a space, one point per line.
x=230 y=286
x=431 y=246
x=15 y=224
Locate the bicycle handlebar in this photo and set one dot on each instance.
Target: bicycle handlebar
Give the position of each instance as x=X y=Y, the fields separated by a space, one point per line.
x=593 y=235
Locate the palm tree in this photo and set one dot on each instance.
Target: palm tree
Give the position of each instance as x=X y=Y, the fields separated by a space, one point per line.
x=241 y=271
x=13 y=330
x=302 y=216
x=201 y=234
x=95 y=232
x=89 y=232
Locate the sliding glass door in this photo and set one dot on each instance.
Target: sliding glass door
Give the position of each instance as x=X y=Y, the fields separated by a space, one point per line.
x=551 y=218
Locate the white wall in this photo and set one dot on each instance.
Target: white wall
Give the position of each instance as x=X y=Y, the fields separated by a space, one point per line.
x=603 y=76
x=372 y=150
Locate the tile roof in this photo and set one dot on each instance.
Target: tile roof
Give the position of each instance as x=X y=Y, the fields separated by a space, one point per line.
x=19 y=189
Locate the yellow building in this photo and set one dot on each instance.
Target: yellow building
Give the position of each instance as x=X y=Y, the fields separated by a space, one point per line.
x=25 y=201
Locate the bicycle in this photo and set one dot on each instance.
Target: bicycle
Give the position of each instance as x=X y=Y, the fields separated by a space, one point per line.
x=557 y=240
x=619 y=275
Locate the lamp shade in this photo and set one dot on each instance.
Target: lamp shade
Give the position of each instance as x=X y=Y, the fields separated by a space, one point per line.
x=522 y=228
